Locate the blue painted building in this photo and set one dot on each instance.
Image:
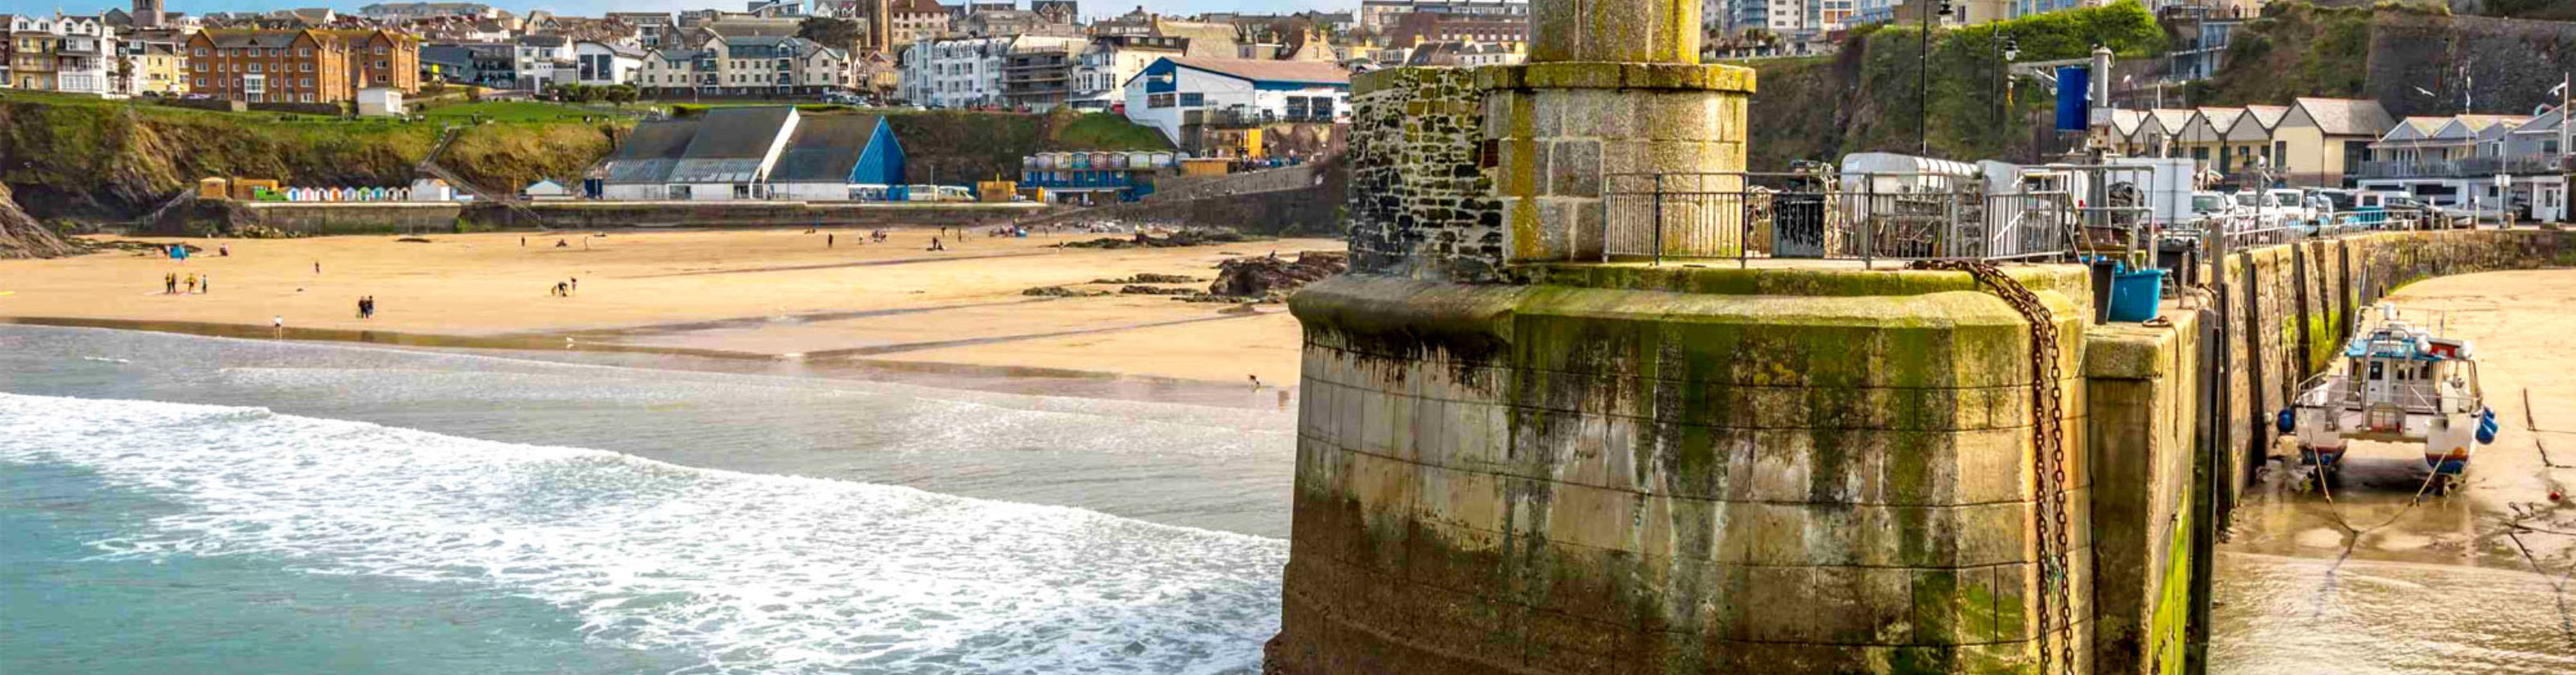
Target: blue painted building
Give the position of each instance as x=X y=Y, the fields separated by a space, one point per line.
x=754 y=153
x=1095 y=177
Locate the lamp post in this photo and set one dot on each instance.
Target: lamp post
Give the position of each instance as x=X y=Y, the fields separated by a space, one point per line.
x=1923 y=77
x=2011 y=49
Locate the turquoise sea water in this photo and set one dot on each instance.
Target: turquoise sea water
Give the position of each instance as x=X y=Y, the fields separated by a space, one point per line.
x=324 y=508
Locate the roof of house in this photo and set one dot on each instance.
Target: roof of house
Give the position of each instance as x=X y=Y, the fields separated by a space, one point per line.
x=2478 y=123
x=2220 y=119
x=237 y=37
x=1207 y=40
x=2347 y=116
x=2421 y=125
x=2171 y=120
x=617 y=49
x=1282 y=72
x=917 y=7
x=542 y=40
x=825 y=149
x=2546 y=122
x=2268 y=115
x=2126 y=122
x=749 y=27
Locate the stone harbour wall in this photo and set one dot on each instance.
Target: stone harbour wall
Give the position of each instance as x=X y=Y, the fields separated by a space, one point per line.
x=2289 y=307
x=1422 y=203
x=2142 y=393
x=1673 y=470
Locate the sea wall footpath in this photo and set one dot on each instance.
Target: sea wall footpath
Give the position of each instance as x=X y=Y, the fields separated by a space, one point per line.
x=1622 y=468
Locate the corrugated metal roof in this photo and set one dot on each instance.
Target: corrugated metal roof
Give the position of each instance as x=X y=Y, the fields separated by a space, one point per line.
x=825 y=149
x=737 y=133
x=650 y=151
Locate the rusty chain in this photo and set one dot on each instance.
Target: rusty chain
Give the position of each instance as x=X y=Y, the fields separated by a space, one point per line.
x=2047 y=449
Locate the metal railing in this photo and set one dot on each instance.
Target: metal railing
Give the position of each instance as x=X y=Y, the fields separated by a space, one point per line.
x=1843 y=216
x=2469 y=167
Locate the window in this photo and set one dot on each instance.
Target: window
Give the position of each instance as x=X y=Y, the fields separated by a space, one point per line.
x=2281 y=153
x=1158 y=100
x=201 y=51
x=380 y=50
x=304 y=51
x=201 y=82
x=306 y=67
x=201 y=66
x=1193 y=100
x=254 y=67
x=380 y=78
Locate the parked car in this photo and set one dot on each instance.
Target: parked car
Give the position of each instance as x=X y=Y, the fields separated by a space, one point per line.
x=2257 y=211
x=2295 y=209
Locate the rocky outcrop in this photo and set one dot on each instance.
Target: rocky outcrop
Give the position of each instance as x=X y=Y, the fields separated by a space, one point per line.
x=1273 y=278
x=23 y=237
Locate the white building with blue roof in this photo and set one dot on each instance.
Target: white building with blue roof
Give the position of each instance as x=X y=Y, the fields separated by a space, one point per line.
x=1178 y=93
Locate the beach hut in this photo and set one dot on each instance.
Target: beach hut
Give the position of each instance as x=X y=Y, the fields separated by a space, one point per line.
x=431 y=190
x=213 y=188
x=546 y=190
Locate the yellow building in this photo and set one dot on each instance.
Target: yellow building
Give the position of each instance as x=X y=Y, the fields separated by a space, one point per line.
x=2249 y=140
x=2324 y=140
x=157 y=67
x=2204 y=138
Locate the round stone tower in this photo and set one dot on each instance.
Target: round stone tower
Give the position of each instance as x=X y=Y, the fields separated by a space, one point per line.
x=1611 y=87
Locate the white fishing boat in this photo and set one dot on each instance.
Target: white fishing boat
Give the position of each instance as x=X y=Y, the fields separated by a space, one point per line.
x=2397 y=383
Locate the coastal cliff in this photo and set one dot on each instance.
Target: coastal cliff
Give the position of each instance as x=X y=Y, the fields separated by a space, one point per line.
x=97 y=160
x=23 y=237
x=1867 y=97
x=92 y=160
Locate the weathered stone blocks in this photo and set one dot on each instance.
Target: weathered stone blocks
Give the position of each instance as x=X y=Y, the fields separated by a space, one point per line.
x=1567 y=131
x=1600 y=478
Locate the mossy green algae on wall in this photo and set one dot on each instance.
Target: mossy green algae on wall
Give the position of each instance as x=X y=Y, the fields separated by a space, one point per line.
x=1573 y=478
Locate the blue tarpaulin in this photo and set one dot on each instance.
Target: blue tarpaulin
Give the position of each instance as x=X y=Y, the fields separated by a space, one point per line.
x=2074 y=96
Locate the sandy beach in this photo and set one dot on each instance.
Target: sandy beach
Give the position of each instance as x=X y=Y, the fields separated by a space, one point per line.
x=764 y=293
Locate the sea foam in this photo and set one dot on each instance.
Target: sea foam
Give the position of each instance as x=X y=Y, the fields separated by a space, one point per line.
x=757 y=573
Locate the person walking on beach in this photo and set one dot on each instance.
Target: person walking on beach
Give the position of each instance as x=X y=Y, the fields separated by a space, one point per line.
x=170 y=284
x=223 y=250
x=192 y=284
x=317 y=267
x=562 y=291
x=277 y=325
x=827 y=241
x=574 y=288
x=206 y=283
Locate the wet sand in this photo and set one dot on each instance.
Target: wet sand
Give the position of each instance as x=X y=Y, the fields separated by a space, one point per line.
x=768 y=294
x=2477 y=581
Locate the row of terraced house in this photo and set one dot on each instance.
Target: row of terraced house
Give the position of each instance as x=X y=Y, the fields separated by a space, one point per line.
x=2497 y=162
x=120 y=54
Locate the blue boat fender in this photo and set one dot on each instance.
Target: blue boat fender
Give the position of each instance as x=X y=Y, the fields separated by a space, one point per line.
x=2288 y=420
x=2487 y=427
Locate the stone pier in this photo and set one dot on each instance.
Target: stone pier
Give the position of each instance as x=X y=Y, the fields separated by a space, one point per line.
x=1511 y=460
